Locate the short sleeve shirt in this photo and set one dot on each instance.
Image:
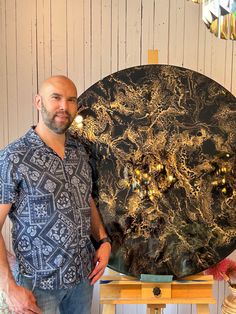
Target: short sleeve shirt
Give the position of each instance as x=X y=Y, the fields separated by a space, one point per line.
x=50 y=209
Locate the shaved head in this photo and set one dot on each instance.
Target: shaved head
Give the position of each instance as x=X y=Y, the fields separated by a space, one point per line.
x=56 y=80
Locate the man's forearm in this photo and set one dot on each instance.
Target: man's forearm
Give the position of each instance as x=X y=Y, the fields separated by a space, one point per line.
x=97 y=227
x=6 y=276
x=103 y=252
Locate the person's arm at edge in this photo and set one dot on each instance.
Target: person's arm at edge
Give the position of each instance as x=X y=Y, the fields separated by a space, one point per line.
x=104 y=250
x=5 y=271
x=19 y=299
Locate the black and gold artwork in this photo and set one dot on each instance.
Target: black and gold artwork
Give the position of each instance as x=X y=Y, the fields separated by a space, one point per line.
x=162 y=141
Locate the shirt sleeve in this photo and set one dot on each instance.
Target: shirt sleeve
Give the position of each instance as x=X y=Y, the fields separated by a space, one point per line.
x=8 y=179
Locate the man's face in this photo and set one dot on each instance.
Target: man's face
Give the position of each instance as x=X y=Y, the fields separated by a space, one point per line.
x=58 y=106
x=58 y=121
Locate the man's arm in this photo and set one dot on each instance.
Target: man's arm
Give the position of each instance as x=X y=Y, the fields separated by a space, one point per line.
x=104 y=250
x=6 y=276
x=19 y=299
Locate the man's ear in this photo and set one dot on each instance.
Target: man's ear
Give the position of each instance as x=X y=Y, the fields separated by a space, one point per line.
x=38 y=101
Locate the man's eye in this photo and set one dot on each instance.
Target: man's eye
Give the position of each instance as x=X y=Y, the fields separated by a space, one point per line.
x=56 y=97
x=72 y=100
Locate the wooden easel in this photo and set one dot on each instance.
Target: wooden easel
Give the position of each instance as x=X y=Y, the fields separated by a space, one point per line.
x=117 y=289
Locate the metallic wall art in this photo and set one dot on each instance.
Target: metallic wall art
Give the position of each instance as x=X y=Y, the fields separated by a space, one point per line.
x=220 y=17
x=163 y=142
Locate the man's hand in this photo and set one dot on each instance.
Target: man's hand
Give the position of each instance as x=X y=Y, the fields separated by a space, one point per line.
x=21 y=300
x=101 y=260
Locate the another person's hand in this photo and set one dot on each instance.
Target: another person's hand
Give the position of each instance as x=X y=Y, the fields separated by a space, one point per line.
x=101 y=260
x=21 y=300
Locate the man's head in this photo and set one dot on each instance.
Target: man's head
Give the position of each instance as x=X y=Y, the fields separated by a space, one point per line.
x=57 y=103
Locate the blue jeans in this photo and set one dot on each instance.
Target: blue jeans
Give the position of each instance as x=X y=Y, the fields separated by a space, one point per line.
x=77 y=300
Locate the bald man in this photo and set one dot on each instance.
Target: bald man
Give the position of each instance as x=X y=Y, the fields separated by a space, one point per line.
x=45 y=189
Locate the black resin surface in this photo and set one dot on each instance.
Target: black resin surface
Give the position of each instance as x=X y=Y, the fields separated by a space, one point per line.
x=163 y=141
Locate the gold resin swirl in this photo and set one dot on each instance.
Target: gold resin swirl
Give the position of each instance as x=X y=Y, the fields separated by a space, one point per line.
x=163 y=142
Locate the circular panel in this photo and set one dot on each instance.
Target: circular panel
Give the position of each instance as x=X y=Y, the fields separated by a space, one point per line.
x=163 y=141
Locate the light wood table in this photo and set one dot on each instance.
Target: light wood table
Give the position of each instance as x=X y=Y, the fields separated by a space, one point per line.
x=119 y=289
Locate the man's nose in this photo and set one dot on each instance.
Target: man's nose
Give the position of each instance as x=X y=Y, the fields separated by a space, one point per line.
x=63 y=104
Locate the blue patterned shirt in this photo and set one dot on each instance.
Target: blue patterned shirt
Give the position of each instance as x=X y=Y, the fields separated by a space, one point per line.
x=50 y=209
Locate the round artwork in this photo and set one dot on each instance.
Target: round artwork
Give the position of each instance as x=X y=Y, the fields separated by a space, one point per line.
x=163 y=141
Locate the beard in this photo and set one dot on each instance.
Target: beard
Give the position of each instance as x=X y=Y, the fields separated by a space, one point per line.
x=50 y=121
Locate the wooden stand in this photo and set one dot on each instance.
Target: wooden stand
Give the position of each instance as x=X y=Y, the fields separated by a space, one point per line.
x=118 y=289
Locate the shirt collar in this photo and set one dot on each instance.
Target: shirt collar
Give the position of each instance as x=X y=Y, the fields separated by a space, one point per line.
x=35 y=139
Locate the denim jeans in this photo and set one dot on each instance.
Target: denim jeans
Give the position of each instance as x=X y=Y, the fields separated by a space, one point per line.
x=77 y=300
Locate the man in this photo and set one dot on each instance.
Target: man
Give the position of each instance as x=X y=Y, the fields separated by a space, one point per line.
x=45 y=188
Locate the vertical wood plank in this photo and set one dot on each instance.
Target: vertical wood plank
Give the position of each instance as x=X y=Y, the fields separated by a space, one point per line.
x=134 y=35
x=44 y=42
x=184 y=308
x=172 y=309
x=96 y=20
x=228 y=64
x=11 y=50
x=114 y=36
x=176 y=32
x=194 y=309
x=141 y=309
x=75 y=35
x=162 y=24
x=221 y=295
x=201 y=44
x=208 y=53
x=130 y=308
x=218 y=60
x=122 y=34
x=147 y=31
x=34 y=67
x=119 y=309
x=233 y=70
x=191 y=31
x=87 y=43
x=213 y=307
x=3 y=77
x=106 y=38
x=59 y=37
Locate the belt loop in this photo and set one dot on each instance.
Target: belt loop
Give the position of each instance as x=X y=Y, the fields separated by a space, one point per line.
x=34 y=279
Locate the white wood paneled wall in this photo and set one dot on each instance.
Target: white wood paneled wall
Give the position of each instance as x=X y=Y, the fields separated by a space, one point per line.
x=89 y=39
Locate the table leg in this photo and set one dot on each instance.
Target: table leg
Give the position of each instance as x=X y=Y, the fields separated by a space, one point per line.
x=203 y=309
x=155 y=308
x=109 y=309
